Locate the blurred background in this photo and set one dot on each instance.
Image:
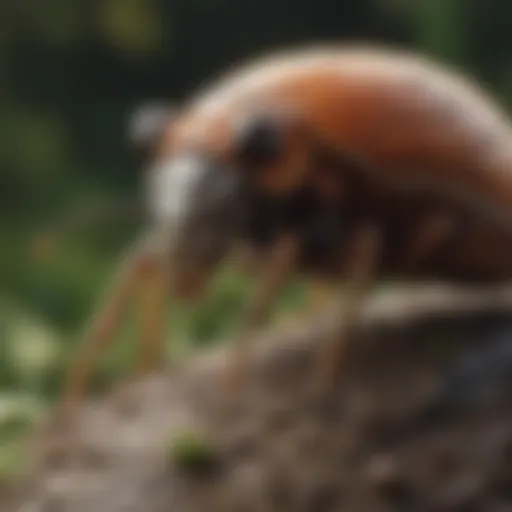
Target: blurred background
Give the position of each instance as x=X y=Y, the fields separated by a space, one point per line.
x=71 y=71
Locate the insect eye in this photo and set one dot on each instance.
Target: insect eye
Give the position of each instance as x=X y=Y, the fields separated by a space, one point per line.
x=258 y=141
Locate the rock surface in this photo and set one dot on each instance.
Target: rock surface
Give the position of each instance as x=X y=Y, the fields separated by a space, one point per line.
x=420 y=419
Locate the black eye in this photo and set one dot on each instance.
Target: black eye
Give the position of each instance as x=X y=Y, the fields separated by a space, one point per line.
x=259 y=140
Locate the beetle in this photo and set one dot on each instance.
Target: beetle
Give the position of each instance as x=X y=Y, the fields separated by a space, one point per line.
x=346 y=163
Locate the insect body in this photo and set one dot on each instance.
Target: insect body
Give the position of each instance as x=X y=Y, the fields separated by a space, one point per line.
x=348 y=162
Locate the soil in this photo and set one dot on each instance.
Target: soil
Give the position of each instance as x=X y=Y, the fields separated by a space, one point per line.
x=419 y=418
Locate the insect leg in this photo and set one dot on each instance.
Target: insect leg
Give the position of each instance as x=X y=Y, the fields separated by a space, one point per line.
x=105 y=322
x=361 y=269
x=153 y=316
x=276 y=273
x=43 y=244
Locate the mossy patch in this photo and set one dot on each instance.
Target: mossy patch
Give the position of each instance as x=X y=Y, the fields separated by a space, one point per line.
x=192 y=452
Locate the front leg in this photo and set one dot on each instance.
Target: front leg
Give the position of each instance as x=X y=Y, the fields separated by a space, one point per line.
x=277 y=269
x=360 y=269
x=153 y=314
x=107 y=320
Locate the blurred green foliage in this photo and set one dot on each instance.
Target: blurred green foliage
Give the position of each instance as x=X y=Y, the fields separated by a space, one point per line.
x=70 y=73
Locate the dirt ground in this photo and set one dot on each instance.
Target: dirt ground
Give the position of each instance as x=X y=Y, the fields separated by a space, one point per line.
x=420 y=419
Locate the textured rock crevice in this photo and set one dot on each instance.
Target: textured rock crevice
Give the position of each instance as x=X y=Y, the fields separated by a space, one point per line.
x=420 y=419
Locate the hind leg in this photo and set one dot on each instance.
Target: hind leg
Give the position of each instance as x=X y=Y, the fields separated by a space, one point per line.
x=361 y=270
